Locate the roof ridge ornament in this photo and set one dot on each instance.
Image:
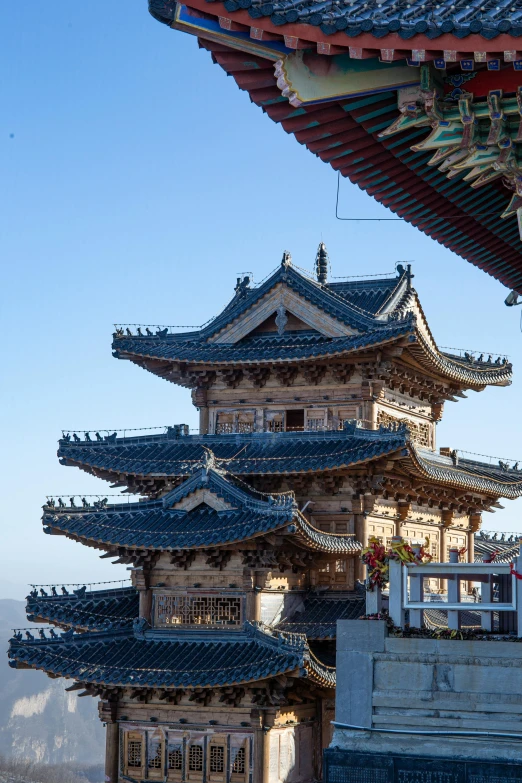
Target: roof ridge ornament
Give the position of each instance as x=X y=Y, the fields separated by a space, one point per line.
x=209 y=460
x=321 y=263
x=242 y=287
x=286 y=261
x=281 y=320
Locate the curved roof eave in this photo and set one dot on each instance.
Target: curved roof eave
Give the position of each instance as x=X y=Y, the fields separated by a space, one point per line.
x=165 y=660
x=261 y=453
x=402 y=26
x=387 y=168
x=81 y=526
x=96 y=610
x=466 y=474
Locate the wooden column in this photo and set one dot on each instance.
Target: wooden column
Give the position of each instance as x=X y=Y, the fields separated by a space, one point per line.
x=266 y=755
x=112 y=752
x=259 y=580
x=361 y=534
x=141 y=578
x=145 y=605
x=199 y=398
x=268 y=721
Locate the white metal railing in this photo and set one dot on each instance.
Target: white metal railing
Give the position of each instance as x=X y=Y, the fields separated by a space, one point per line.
x=406 y=591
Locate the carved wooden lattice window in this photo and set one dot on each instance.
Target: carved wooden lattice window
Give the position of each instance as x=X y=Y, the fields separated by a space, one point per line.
x=315 y=420
x=134 y=753
x=275 y=421
x=245 y=421
x=195 y=758
x=420 y=431
x=231 y=421
x=225 y=423
x=217 y=758
x=175 y=759
x=239 y=765
x=345 y=415
x=340 y=566
x=155 y=754
x=214 y=610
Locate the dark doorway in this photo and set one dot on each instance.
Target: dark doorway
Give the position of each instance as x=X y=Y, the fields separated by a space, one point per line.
x=295 y=420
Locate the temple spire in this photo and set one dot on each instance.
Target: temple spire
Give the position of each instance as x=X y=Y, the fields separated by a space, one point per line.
x=321 y=263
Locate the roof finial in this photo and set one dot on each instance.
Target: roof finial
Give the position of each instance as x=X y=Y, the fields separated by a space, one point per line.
x=321 y=263
x=209 y=460
x=287 y=259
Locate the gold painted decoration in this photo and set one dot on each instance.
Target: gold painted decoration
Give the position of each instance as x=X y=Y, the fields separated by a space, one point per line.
x=479 y=139
x=306 y=77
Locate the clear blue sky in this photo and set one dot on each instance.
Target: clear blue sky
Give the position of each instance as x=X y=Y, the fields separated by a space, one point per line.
x=137 y=181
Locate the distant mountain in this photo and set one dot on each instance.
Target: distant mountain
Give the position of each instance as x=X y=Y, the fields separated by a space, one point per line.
x=38 y=719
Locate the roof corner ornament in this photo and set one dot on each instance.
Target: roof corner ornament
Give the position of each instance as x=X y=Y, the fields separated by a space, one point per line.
x=287 y=259
x=401 y=270
x=281 y=320
x=242 y=286
x=321 y=263
x=139 y=626
x=209 y=460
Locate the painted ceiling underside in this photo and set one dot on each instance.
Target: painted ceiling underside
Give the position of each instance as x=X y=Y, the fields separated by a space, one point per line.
x=344 y=132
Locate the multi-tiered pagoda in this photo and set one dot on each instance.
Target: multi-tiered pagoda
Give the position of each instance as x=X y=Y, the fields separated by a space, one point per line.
x=318 y=407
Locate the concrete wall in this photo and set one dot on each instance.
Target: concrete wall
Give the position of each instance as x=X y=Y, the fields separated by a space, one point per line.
x=427 y=685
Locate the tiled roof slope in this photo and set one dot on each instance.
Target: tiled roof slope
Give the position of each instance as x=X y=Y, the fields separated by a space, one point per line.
x=323 y=296
x=504 y=548
x=394 y=314
x=435 y=619
x=241 y=514
x=95 y=610
x=490 y=479
x=168 y=660
x=291 y=346
x=286 y=453
x=460 y=19
x=319 y=614
x=149 y=526
x=373 y=295
x=256 y=453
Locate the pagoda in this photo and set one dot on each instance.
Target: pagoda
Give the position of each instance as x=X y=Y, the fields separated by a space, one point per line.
x=417 y=103
x=318 y=406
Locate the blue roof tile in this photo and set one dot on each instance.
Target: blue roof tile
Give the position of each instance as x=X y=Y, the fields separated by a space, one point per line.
x=459 y=18
x=170 y=659
x=255 y=453
x=157 y=525
x=94 y=610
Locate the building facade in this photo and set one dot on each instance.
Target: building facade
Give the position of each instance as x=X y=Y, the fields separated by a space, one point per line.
x=318 y=406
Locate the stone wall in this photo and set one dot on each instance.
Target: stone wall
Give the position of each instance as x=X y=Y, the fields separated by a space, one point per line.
x=387 y=684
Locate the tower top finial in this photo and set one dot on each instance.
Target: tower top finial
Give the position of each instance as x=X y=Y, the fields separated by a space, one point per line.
x=321 y=263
